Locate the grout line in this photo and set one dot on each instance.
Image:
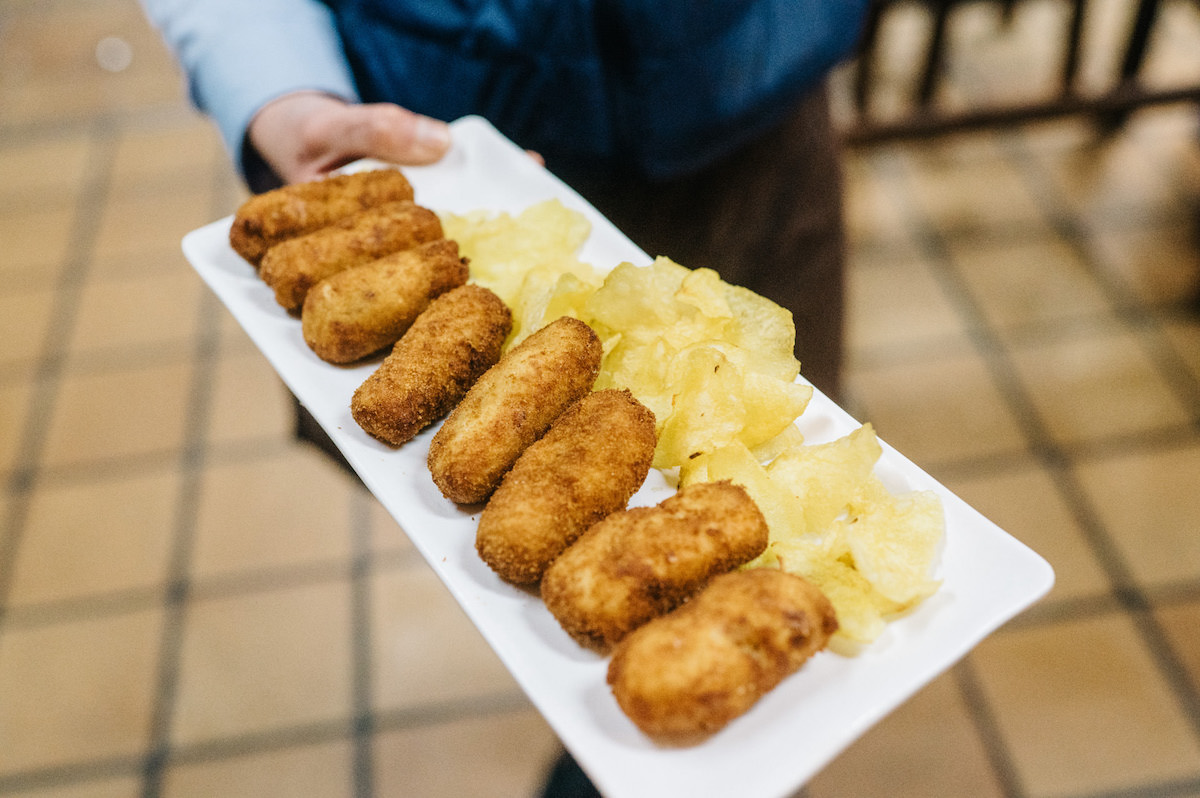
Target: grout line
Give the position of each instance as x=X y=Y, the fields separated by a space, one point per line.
x=21 y=783
x=243 y=583
x=1178 y=788
x=178 y=592
x=192 y=461
x=415 y=717
x=360 y=630
x=988 y=728
x=85 y=227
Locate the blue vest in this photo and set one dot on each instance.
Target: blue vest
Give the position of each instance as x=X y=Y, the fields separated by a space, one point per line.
x=661 y=87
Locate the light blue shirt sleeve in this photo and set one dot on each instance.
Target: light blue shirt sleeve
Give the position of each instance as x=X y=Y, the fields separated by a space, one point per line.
x=239 y=55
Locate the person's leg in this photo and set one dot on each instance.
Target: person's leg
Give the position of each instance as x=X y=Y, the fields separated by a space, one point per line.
x=768 y=218
x=567 y=780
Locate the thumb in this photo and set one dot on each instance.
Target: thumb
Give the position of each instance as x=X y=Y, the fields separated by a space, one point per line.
x=394 y=134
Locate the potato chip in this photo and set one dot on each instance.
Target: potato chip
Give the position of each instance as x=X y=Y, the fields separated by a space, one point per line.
x=895 y=542
x=857 y=605
x=736 y=463
x=834 y=522
x=706 y=412
x=827 y=477
x=503 y=249
x=763 y=330
x=772 y=405
x=545 y=295
x=642 y=367
x=768 y=450
x=713 y=361
x=636 y=299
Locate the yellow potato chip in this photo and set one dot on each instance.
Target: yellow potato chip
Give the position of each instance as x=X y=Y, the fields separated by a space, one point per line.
x=503 y=249
x=545 y=295
x=895 y=543
x=768 y=450
x=634 y=299
x=771 y=405
x=704 y=290
x=706 y=412
x=763 y=330
x=827 y=477
x=735 y=463
x=859 y=610
x=642 y=367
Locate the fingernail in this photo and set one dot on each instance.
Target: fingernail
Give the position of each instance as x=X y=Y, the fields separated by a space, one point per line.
x=431 y=137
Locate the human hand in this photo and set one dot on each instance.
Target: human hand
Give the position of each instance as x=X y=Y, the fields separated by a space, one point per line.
x=306 y=135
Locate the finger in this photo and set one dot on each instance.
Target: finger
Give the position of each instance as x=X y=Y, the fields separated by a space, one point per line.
x=391 y=133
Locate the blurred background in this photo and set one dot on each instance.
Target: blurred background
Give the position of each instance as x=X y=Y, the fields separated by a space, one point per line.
x=191 y=604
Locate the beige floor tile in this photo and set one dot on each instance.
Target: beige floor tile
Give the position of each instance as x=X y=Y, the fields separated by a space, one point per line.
x=871 y=211
x=233 y=337
x=961 y=186
x=45 y=170
x=100 y=536
x=43 y=99
x=1096 y=386
x=166 y=258
x=896 y=303
x=77 y=691
x=1155 y=264
x=135 y=222
x=1182 y=624
x=1149 y=505
x=262 y=662
x=1112 y=179
x=311 y=771
x=1083 y=708
x=926 y=747
x=36 y=243
x=98 y=417
x=937 y=411
x=1027 y=282
x=26 y=319
x=52 y=69
x=387 y=537
x=500 y=756
x=138 y=311
x=288 y=510
x=249 y=400
x=1027 y=505
x=424 y=649
x=182 y=151
x=60 y=37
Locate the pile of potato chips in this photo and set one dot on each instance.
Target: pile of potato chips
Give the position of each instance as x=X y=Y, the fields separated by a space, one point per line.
x=835 y=523
x=530 y=261
x=715 y=363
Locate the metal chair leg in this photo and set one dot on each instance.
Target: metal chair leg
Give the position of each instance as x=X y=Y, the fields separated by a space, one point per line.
x=934 y=53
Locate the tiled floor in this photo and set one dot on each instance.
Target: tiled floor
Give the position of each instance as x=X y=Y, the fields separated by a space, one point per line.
x=194 y=605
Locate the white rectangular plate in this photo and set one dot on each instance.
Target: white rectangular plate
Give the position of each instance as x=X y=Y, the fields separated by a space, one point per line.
x=988 y=576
